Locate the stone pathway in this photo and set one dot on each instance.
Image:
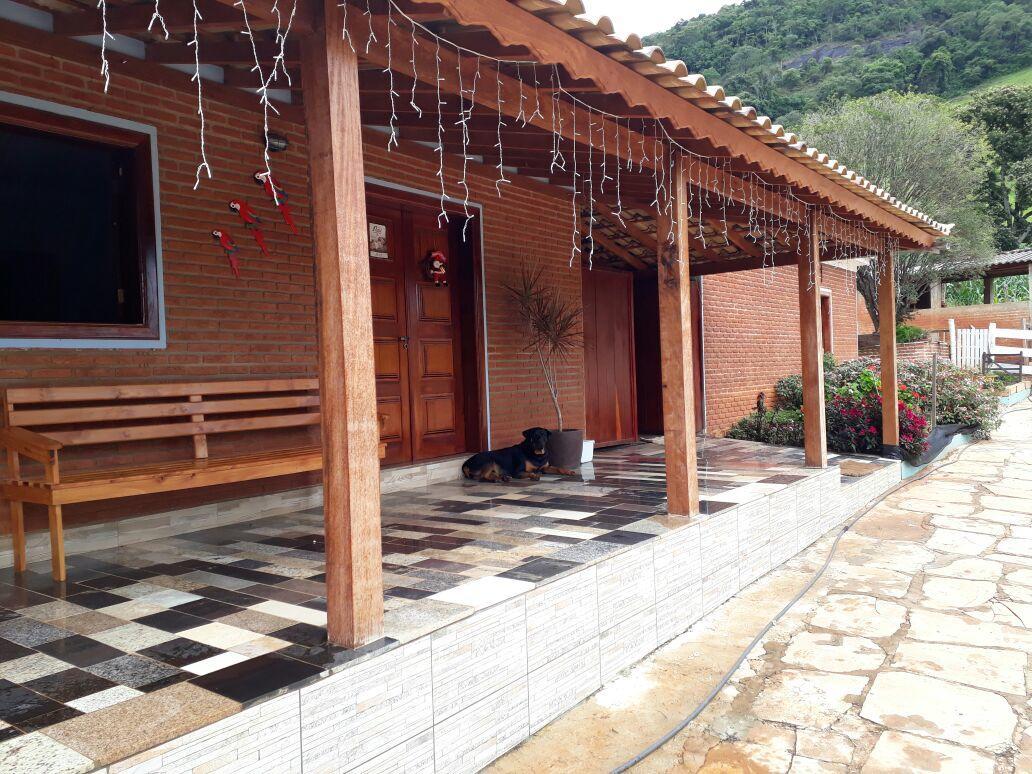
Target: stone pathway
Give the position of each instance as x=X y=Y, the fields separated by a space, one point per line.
x=911 y=654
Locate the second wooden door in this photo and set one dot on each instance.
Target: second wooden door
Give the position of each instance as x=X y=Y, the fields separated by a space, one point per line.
x=609 y=381
x=417 y=334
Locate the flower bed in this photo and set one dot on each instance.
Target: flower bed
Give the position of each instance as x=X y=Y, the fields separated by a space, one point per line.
x=853 y=407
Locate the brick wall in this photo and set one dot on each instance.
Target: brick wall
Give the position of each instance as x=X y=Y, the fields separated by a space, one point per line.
x=1007 y=315
x=264 y=324
x=751 y=335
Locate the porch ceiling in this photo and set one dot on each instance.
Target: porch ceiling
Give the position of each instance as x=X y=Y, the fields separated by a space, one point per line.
x=614 y=81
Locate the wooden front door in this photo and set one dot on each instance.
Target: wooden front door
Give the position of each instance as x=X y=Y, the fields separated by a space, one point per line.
x=417 y=334
x=609 y=380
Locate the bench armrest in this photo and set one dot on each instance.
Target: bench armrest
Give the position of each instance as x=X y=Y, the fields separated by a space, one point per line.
x=33 y=445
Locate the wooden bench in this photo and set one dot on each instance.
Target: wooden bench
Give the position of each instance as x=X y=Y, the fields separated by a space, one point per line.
x=1021 y=354
x=40 y=421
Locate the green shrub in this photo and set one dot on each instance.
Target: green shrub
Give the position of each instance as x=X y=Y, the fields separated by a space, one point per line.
x=788 y=392
x=853 y=406
x=783 y=427
x=908 y=333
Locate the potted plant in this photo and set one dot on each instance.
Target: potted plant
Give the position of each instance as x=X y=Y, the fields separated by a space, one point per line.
x=553 y=326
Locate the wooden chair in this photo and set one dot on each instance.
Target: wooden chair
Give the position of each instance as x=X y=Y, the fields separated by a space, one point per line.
x=38 y=422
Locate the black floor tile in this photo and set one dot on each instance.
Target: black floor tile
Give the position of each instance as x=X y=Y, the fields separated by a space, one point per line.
x=406 y=593
x=79 y=651
x=12 y=650
x=278 y=594
x=539 y=569
x=18 y=704
x=37 y=722
x=209 y=609
x=97 y=599
x=69 y=685
x=180 y=652
x=257 y=677
x=328 y=656
x=17 y=597
x=302 y=634
x=171 y=621
x=227 y=596
x=108 y=582
x=9 y=733
x=623 y=538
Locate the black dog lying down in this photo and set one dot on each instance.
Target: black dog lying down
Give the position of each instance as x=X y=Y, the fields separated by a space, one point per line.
x=528 y=459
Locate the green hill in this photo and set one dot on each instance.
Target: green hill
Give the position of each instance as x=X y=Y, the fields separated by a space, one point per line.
x=788 y=56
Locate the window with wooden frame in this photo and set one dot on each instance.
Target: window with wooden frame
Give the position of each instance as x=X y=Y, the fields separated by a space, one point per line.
x=79 y=256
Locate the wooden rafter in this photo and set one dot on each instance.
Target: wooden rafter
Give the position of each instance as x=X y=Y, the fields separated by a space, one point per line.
x=618 y=250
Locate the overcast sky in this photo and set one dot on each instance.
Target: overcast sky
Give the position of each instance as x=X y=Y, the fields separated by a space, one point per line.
x=645 y=16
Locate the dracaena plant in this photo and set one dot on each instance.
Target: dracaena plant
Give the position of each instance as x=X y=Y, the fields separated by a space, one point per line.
x=552 y=324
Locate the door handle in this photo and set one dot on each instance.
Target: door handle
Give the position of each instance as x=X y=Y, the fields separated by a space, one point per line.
x=404 y=341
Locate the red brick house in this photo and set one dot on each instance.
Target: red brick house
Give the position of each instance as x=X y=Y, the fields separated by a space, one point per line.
x=704 y=244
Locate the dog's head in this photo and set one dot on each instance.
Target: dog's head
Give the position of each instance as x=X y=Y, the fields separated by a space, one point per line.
x=536 y=438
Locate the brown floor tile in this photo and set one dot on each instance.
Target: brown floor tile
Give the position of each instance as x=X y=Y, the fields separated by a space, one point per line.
x=110 y=734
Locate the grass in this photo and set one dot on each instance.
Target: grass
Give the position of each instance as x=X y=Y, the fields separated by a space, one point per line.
x=1019 y=78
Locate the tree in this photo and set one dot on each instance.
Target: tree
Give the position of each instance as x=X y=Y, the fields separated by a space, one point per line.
x=1005 y=116
x=913 y=146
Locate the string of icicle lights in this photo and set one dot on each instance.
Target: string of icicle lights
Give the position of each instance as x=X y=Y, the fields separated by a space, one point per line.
x=595 y=148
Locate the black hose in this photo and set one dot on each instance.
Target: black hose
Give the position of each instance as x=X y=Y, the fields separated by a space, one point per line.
x=781 y=613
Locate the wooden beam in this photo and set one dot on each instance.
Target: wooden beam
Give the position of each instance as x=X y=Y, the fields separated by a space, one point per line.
x=675 y=338
x=84 y=53
x=134 y=19
x=267 y=10
x=634 y=229
x=887 y=351
x=815 y=440
x=220 y=52
x=347 y=384
x=619 y=251
x=729 y=264
x=514 y=26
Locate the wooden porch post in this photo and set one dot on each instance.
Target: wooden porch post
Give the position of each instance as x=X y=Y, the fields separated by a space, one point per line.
x=815 y=440
x=887 y=346
x=675 y=339
x=347 y=386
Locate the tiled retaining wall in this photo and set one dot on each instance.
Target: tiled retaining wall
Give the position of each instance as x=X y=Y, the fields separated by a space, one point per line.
x=456 y=699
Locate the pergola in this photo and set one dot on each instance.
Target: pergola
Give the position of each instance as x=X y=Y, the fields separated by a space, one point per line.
x=692 y=182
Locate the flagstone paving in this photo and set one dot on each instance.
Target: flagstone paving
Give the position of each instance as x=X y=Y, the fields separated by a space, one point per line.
x=910 y=655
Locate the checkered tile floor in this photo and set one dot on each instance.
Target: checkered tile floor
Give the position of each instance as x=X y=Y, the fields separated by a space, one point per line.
x=239 y=611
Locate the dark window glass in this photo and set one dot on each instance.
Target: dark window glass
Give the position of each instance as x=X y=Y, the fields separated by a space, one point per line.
x=76 y=233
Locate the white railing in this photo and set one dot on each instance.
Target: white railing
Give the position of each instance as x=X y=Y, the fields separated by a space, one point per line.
x=967 y=345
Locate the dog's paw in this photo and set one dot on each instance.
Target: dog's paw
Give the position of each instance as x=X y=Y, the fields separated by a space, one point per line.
x=506 y=479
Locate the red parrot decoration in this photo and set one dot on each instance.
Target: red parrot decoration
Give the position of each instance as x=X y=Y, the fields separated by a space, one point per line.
x=229 y=246
x=279 y=197
x=251 y=221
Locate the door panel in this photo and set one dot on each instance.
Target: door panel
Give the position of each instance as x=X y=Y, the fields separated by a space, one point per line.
x=609 y=356
x=647 y=354
x=387 y=282
x=438 y=426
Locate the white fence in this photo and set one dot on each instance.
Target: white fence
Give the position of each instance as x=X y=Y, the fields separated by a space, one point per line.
x=967 y=346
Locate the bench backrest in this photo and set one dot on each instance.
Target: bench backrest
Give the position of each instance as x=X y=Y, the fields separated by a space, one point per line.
x=136 y=412
x=1022 y=335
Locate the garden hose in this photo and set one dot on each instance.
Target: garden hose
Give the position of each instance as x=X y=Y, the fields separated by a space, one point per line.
x=645 y=753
